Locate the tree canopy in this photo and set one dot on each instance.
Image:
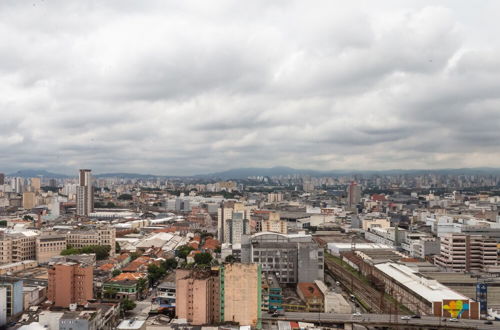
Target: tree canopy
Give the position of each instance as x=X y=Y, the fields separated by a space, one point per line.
x=101 y=251
x=203 y=258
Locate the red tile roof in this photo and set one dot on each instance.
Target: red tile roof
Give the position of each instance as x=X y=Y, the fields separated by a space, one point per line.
x=309 y=290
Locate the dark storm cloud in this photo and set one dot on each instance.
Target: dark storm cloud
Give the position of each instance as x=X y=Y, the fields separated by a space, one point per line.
x=194 y=86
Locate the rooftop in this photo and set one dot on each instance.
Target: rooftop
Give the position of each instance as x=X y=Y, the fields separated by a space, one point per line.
x=427 y=288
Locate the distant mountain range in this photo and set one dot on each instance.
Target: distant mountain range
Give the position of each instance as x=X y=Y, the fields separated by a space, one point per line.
x=38 y=173
x=242 y=173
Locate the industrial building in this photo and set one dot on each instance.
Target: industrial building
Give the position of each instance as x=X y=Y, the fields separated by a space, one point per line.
x=423 y=295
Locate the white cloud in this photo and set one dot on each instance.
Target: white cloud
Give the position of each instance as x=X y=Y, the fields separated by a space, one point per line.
x=186 y=87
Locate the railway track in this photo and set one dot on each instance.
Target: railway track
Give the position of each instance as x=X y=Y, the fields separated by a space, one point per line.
x=370 y=297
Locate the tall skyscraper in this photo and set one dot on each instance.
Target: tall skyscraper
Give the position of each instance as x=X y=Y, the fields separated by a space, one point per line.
x=84 y=193
x=17 y=184
x=2 y=179
x=353 y=194
x=35 y=184
x=29 y=200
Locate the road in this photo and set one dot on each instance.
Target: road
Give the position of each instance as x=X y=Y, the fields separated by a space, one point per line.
x=141 y=310
x=383 y=320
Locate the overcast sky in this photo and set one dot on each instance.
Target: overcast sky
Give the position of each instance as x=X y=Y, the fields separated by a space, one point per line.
x=187 y=87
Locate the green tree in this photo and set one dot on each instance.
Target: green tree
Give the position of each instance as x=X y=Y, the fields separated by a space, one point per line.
x=3 y=223
x=134 y=255
x=116 y=272
x=141 y=285
x=70 y=251
x=230 y=258
x=183 y=251
x=125 y=197
x=155 y=273
x=101 y=251
x=28 y=218
x=127 y=305
x=170 y=264
x=118 y=249
x=203 y=258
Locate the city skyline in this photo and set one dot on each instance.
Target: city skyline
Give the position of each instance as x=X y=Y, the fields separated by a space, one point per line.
x=191 y=88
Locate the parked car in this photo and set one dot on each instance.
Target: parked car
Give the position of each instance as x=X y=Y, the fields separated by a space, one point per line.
x=405 y=317
x=453 y=319
x=357 y=314
x=488 y=322
x=416 y=316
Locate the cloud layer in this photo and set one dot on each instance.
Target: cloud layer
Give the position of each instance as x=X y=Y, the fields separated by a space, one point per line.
x=185 y=87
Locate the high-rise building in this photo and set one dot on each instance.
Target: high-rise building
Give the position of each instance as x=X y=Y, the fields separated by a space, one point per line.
x=233 y=222
x=230 y=293
x=292 y=258
x=29 y=200
x=353 y=194
x=3 y=306
x=14 y=293
x=461 y=252
x=241 y=294
x=35 y=184
x=198 y=296
x=17 y=185
x=274 y=223
x=70 y=283
x=84 y=193
x=2 y=179
x=52 y=183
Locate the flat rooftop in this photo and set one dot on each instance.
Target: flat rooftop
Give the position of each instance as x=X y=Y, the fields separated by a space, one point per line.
x=429 y=289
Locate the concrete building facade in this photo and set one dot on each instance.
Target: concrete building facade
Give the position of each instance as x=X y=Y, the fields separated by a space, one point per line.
x=49 y=245
x=70 y=283
x=292 y=258
x=16 y=247
x=241 y=293
x=198 y=296
x=99 y=236
x=29 y=200
x=461 y=252
x=14 y=296
x=3 y=306
x=84 y=193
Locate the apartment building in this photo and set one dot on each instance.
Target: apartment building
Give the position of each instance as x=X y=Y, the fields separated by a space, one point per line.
x=198 y=296
x=17 y=246
x=233 y=222
x=275 y=197
x=29 y=200
x=273 y=223
x=3 y=306
x=49 y=245
x=240 y=288
x=84 y=193
x=70 y=283
x=461 y=252
x=99 y=236
x=14 y=296
x=292 y=258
